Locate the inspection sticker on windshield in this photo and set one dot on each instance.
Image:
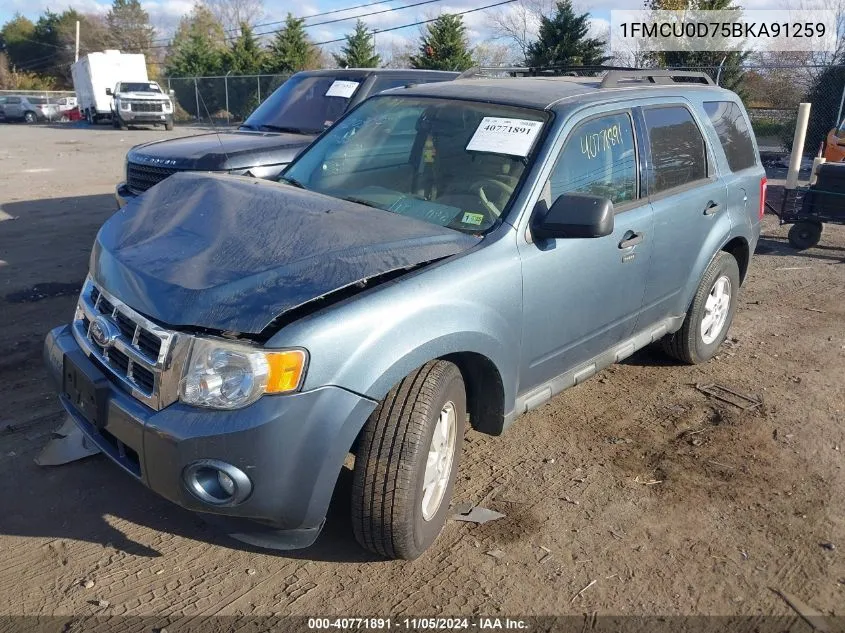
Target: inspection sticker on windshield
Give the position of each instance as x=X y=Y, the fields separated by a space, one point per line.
x=341 y=88
x=472 y=218
x=504 y=136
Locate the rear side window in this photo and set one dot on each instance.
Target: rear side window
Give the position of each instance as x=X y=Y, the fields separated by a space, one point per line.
x=678 y=153
x=733 y=133
x=13 y=100
x=599 y=158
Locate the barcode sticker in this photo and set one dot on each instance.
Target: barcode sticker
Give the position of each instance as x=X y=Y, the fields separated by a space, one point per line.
x=513 y=137
x=341 y=88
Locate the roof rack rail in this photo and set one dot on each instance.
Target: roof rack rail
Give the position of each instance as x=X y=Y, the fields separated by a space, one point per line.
x=616 y=78
x=542 y=71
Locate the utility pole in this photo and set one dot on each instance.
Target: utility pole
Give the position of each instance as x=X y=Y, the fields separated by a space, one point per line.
x=76 y=55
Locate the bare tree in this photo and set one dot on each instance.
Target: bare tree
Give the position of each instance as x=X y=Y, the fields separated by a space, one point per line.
x=232 y=13
x=493 y=55
x=517 y=24
x=397 y=54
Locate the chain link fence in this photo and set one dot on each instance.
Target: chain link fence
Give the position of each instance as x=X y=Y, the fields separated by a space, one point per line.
x=229 y=98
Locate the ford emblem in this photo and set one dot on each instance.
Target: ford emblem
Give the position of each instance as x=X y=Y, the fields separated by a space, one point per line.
x=104 y=332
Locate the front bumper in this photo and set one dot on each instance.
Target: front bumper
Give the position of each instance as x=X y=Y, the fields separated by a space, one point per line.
x=123 y=194
x=144 y=117
x=291 y=447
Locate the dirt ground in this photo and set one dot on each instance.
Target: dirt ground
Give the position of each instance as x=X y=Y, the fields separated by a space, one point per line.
x=668 y=500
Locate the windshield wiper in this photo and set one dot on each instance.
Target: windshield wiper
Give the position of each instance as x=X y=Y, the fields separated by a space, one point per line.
x=291 y=181
x=366 y=203
x=283 y=129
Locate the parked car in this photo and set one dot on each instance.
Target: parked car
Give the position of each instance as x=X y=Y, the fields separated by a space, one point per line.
x=29 y=109
x=284 y=124
x=2 y=104
x=446 y=252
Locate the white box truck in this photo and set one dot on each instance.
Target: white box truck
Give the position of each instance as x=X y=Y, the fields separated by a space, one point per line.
x=114 y=86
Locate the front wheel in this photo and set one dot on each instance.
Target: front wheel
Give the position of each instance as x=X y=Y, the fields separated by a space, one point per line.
x=804 y=235
x=168 y=125
x=29 y=117
x=407 y=460
x=709 y=317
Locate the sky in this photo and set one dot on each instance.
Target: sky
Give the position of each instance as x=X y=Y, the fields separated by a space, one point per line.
x=165 y=15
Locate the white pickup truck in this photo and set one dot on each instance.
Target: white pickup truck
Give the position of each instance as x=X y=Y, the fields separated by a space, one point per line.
x=140 y=102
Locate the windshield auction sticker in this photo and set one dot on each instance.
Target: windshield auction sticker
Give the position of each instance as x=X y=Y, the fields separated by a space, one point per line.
x=340 y=88
x=498 y=135
x=757 y=30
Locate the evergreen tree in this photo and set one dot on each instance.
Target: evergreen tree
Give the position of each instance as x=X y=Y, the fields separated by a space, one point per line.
x=444 y=45
x=245 y=56
x=359 y=51
x=129 y=26
x=563 y=40
x=291 y=50
x=198 y=47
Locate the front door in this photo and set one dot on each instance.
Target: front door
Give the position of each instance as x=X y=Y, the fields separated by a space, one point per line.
x=582 y=296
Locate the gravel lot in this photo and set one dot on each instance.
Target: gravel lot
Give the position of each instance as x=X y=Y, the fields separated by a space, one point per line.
x=672 y=501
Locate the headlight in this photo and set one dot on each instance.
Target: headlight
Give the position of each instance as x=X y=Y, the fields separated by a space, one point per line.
x=168 y=106
x=222 y=375
x=125 y=105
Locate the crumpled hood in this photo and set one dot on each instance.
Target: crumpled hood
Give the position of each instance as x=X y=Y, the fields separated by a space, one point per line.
x=233 y=253
x=221 y=151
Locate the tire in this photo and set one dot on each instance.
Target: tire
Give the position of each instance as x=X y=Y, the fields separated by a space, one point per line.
x=88 y=117
x=29 y=117
x=696 y=343
x=64 y=119
x=391 y=514
x=168 y=125
x=804 y=235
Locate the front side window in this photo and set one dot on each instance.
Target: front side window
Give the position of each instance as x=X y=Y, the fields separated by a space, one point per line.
x=733 y=133
x=599 y=158
x=678 y=153
x=448 y=162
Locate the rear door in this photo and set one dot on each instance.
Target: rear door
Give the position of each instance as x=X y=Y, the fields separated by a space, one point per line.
x=689 y=200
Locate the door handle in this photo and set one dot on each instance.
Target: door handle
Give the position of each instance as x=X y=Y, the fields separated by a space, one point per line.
x=630 y=239
x=711 y=208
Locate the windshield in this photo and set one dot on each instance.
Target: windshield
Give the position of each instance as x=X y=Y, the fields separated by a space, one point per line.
x=304 y=104
x=139 y=87
x=452 y=163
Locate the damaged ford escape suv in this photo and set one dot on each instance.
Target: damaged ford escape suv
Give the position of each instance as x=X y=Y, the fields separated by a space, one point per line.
x=446 y=254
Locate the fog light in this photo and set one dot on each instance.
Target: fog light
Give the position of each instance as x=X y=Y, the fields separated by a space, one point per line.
x=226 y=483
x=217 y=483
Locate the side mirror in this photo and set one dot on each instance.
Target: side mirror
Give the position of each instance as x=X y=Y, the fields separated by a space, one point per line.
x=108 y=91
x=575 y=215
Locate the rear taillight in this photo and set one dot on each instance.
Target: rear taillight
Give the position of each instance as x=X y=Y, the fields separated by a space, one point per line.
x=763 y=186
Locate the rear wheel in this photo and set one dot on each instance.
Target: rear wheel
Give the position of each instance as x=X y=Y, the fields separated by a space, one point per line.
x=407 y=461
x=710 y=315
x=804 y=235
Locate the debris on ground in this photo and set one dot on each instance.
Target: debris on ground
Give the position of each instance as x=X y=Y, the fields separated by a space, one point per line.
x=619 y=440
x=100 y=603
x=87 y=583
x=739 y=400
x=475 y=514
x=828 y=546
x=812 y=617
x=496 y=553
x=650 y=482
x=250 y=572
x=572 y=501
x=581 y=593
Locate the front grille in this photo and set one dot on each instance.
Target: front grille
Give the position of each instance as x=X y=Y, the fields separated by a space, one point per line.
x=141 y=177
x=144 y=358
x=146 y=106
